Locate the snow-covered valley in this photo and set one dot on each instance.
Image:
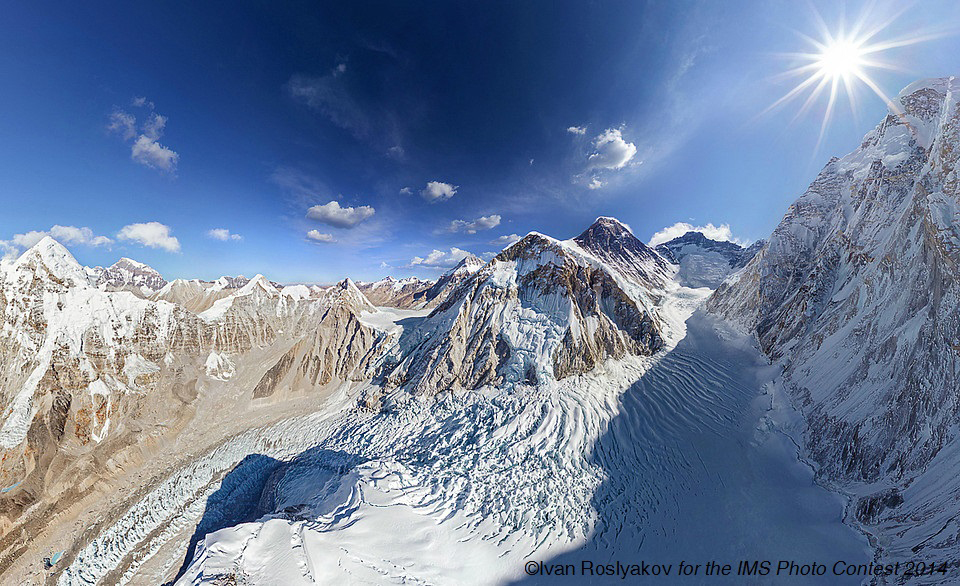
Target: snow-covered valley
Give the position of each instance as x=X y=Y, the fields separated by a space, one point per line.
x=683 y=456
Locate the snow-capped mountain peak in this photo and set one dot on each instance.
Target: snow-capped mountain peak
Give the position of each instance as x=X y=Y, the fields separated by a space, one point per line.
x=129 y=274
x=611 y=241
x=856 y=294
x=704 y=262
x=258 y=283
x=346 y=292
x=467 y=266
x=52 y=258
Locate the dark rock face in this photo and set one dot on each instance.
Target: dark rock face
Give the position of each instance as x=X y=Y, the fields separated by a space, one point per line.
x=612 y=242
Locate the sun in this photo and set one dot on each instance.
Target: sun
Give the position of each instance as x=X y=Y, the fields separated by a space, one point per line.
x=844 y=61
x=841 y=59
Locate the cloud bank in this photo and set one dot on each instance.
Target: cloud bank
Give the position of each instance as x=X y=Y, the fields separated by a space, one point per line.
x=438 y=259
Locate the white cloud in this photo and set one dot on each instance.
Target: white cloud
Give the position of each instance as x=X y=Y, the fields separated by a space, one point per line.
x=318 y=236
x=223 y=234
x=340 y=217
x=123 y=124
x=577 y=130
x=341 y=68
x=505 y=240
x=438 y=259
x=437 y=191
x=595 y=183
x=146 y=148
x=152 y=234
x=29 y=238
x=8 y=250
x=74 y=235
x=154 y=126
x=481 y=223
x=721 y=233
x=64 y=234
x=140 y=102
x=612 y=152
x=151 y=153
x=406 y=191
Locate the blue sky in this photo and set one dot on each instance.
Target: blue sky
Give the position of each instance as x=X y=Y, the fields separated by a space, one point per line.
x=322 y=140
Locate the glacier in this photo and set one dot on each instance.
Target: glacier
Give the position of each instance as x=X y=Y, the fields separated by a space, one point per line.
x=690 y=454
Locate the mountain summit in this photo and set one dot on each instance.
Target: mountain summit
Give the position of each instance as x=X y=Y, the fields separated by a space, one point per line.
x=705 y=262
x=132 y=275
x=611 y=241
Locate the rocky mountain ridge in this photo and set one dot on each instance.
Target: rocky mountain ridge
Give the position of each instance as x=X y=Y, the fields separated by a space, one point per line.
x=856 y=295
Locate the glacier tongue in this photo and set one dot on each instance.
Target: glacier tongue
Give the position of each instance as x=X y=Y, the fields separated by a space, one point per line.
x=668 y=457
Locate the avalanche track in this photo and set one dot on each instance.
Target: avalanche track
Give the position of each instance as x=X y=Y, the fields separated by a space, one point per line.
x=691 y=455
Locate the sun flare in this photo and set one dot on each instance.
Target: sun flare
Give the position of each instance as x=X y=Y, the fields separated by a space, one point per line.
x=843 y=61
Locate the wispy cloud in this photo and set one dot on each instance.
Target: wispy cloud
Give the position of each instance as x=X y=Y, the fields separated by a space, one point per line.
x=330 y=96
x=481 y=223
x=577 y=130
x=145 y=147
x=223 y=234
x=150 y=234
